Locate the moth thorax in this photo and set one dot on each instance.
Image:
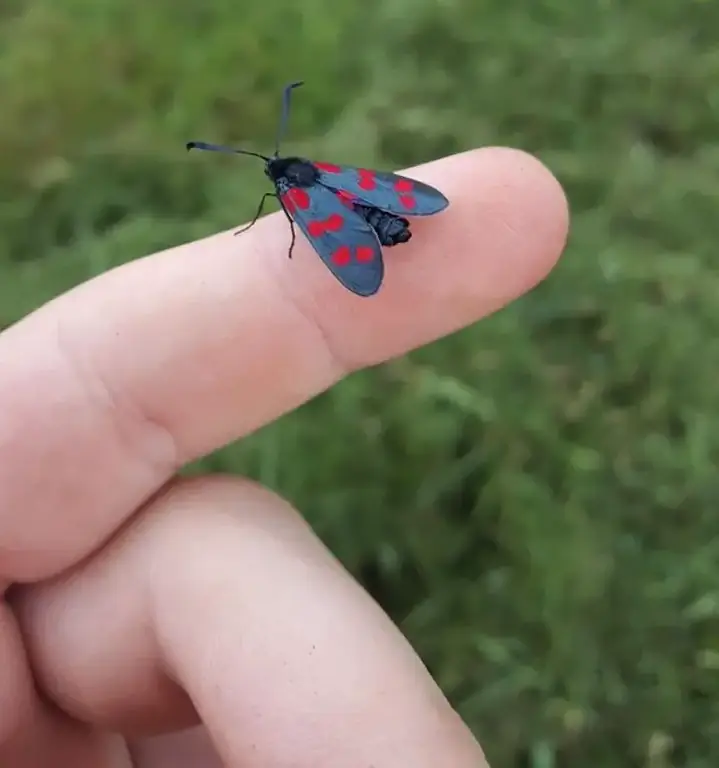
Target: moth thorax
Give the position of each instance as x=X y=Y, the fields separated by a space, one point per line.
x=298 y=172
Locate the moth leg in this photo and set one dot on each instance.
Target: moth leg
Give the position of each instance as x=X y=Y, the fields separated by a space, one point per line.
x=292 y=226
x=258 y=214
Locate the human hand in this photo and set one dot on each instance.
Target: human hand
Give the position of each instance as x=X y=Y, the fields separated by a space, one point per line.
x=141 y=605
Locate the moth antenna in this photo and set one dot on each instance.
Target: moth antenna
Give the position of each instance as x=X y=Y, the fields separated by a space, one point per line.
x=219 y=148
x=285 y=114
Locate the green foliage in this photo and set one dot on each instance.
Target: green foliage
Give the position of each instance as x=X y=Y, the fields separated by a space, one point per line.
x=532 y=500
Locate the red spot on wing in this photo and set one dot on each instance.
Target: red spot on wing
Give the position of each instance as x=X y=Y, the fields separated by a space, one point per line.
x=341 y=257
x=299 y=197
x=328 y=167
x=289 y=205
x=316 y=228
x=408 y=201
x=347 y=198
x=367 y=179
x=332 y=223
x=364 y=253
x=403 y=185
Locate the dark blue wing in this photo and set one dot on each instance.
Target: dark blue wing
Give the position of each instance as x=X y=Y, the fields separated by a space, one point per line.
x=342 y=238
x=387 y=191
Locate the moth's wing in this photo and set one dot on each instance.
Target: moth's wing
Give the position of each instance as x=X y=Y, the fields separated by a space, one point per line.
x=342 y=238
x=388 y=191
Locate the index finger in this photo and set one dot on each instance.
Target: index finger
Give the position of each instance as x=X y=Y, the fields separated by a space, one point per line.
x=107 y=390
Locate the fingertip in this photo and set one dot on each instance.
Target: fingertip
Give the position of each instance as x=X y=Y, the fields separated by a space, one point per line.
x=537 y=204
x=508 y=201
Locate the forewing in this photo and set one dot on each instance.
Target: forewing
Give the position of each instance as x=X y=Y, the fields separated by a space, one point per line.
x=388 y=191
x=343 y=239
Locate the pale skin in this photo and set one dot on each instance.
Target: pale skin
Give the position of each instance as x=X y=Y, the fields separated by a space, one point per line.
x=201 y=623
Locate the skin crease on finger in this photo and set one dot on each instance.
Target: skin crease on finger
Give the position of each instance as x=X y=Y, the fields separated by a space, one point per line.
x=117 y=383
x=112 y=386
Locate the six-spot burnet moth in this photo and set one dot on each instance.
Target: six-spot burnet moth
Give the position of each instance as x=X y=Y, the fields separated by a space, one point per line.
x=346 y=213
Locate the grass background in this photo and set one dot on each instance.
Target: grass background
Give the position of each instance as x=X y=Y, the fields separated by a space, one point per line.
x=546 y=530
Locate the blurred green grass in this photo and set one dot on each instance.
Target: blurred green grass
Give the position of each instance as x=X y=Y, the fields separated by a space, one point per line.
x=546 y=531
